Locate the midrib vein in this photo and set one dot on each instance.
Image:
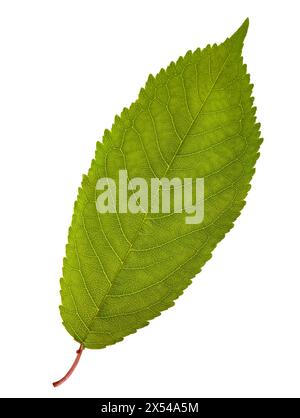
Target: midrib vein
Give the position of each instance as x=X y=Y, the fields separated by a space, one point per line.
x=165 y=173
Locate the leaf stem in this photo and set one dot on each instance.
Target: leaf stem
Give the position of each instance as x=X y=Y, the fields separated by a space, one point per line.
x=72 y=368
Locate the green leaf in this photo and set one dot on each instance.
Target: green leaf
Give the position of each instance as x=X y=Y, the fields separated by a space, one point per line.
x=194 y=119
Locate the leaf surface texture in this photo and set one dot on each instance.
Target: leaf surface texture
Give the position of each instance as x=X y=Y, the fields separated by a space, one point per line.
x=194 y=119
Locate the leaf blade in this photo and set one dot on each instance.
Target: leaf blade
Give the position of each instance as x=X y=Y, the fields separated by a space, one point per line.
x=194 y=119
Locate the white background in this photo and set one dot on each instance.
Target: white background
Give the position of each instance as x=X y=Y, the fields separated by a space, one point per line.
x=66 y=68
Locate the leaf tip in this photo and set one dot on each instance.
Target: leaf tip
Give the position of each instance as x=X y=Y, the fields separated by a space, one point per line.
x=243 y=29
x=246 y=23
x=241 y=33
